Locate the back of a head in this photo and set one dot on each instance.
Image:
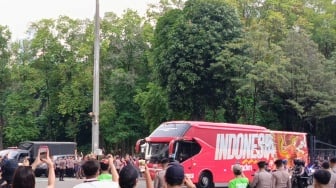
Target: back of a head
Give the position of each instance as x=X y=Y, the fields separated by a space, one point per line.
x=174 y=174
x=23 y=177
x=299 y=162
x=325 y=165
x=90 y=167
x=128 y=176
x=278 y=163
x=164 y=162
x=104 y=164
x=261 y=164
x=333 y=160
x=322 y=176
x=237 y=169
x=8 y=169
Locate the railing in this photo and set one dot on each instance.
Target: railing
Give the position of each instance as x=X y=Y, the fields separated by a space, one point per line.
x=321 y=150
x=323 y=154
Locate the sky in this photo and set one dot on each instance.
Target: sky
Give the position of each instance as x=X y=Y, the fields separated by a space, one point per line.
x=17 y=14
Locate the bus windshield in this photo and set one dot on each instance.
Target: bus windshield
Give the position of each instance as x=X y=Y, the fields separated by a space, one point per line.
x=171 y=130
x=155 y=152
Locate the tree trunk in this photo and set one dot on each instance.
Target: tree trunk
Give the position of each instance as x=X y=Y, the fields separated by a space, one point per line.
x=2 y=123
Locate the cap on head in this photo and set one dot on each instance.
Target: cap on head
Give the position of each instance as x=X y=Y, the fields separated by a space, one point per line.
x=174 y=174
x=285 y=162
x=237 y=169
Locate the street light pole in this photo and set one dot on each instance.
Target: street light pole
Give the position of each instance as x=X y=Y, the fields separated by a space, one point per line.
x=95 y=104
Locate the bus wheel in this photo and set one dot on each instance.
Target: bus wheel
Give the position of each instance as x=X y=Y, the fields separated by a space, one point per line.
x=205 y=180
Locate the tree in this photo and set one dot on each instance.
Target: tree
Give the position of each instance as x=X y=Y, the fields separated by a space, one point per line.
x=5 y=37
x=310 y=94
x=75 y=74
x=126 y=123
x=323 y=18
x=231 y=66
x=187 y=42
x=46 y=49
x=262 y=78
x=153 y=105
x=20 y=112
x=155 y=11
x=60 y=53
x=124 y=70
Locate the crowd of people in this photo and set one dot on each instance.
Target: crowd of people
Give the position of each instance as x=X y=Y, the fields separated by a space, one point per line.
x=124 y=172
x=320 y=175
x=15 y=175
x=96 y=171
x=71 y=165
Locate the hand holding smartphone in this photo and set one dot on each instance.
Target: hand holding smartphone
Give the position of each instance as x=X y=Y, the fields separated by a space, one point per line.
x=188 y=182
x=142 y=164
x=43 y=150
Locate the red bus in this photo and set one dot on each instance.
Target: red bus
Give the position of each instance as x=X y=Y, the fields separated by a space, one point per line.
x=208 y=150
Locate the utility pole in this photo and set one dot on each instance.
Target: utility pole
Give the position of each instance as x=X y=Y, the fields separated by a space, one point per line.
x=95 y=104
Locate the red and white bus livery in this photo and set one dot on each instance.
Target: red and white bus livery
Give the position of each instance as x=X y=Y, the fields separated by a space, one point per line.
x=208 y=150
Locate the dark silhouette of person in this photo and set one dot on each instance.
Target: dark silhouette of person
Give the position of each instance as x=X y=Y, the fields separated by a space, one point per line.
x=8 y=169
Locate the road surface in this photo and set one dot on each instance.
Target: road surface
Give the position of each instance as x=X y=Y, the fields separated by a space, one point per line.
x=42 y=182
x=70 y=182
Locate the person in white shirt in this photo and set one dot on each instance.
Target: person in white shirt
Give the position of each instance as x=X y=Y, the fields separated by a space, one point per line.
x=91 y=171
x=332 y=182
x=321 y=178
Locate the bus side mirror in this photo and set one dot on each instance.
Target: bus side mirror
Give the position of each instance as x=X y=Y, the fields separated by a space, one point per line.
x=171 y=149
x=138 y=145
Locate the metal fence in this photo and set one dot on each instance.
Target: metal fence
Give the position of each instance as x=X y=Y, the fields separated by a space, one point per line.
x=320 y=150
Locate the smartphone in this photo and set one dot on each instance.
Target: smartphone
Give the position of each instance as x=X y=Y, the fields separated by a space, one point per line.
x=43 y=152
x=142 y=165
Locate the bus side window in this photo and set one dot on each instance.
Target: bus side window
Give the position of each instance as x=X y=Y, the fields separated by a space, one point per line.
x=187 y=150
x=183 y=155
x=195 y=148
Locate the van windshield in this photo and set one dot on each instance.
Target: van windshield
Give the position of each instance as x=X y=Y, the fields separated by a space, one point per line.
x=11 y=154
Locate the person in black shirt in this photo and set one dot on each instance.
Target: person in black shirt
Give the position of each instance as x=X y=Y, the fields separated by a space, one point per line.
x=8 y=168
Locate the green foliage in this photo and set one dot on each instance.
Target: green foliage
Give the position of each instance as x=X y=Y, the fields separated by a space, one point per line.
x=125 y=69
x=5 y=36
x=270 y=63
x=262 y=78
x=20 y=110
x=186 y=44
x=231 y=65
x=153 y=105
x=309 y=92
x=323 y=18
x=107 y=127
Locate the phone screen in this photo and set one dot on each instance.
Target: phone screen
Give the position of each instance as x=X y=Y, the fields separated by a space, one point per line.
x=43 y=152
x=142 y=165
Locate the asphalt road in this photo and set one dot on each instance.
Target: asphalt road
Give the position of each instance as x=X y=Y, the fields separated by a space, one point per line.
x=42 y=182
x=70 y=182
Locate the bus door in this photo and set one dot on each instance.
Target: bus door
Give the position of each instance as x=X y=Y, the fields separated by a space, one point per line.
x=185 y=150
